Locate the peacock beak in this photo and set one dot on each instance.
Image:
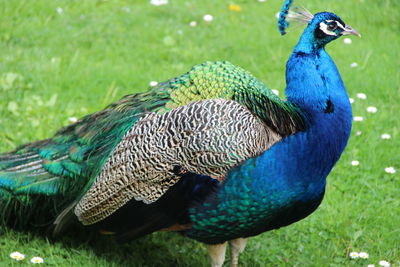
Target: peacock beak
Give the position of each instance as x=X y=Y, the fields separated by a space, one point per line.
x=349 y=30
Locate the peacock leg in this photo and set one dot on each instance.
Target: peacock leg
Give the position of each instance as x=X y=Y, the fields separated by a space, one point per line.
x=217 y=254
x=237 y=247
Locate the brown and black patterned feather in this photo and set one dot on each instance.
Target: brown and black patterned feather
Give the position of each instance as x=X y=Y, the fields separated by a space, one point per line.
x=204 y=137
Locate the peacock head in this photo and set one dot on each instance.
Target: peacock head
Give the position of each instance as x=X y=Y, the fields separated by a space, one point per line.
x=322 y=27
x=326 y=27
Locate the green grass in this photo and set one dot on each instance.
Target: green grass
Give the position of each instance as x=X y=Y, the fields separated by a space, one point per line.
x=55 y=66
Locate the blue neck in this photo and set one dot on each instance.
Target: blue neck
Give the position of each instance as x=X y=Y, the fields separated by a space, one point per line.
x=307 y=43
x=312 y=80
x=314 y=84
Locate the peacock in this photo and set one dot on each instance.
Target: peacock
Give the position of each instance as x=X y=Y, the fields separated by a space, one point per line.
x=212 y=154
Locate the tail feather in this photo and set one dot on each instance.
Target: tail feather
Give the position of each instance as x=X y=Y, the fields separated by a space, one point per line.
x=27 y=167
x=28 y=192
x=18 y=161
x=40 y=180
x=24 y=174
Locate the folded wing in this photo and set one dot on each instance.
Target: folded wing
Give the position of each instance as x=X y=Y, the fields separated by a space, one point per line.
x=205 y=137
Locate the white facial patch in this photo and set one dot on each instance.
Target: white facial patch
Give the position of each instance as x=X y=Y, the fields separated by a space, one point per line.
x=340 y=25
x=323 y=27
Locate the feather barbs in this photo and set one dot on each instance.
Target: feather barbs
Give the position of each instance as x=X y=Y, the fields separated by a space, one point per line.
x=291 y=13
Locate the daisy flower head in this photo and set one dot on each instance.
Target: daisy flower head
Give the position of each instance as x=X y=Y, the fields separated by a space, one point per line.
x=384 y=263
x=193 y=24
x=208 y=18
x=363 y=255
x=358 y=118
x=347 y=41
x=354 y=65
x=371 y=265
x=17 y=256
x=390 y=170
x=358 y=133
x=354 y=255
x=355 y=163
x=36 y=260
x=372 y=109
x=59 y=10
x=73 y=119
x=153 y=83
x=362 y=96
x=158 y=2
x=385 y=136
x=351 y=100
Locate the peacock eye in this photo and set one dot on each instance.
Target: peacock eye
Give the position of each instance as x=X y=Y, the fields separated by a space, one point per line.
x=332 y=26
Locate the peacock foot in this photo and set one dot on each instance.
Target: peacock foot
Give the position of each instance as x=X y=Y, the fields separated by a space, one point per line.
x=237 y=247
x=217 y=252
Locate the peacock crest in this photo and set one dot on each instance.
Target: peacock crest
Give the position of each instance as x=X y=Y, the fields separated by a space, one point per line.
x=290 y=13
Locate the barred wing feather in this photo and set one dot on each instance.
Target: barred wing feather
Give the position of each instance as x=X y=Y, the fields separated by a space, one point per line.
x=206 y=137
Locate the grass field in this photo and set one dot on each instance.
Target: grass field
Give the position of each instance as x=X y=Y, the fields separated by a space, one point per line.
x=63 y=59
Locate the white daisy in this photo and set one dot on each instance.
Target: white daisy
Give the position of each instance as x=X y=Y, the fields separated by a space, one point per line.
x=363 y=255
x=261 y=1
x=372 y=109
x=347 y=41
x=354 y=65
x=59 y=10
x=208 y=18
x=158 y=2
x=351 y=100
x=371 y=265
x=355 y=163
x=384 y=263
x=17 y=256
x=275 y=91
x=36 y=260
x=193 y=24
x=358 y=118
x=358 y=133
x=277 y=15
x=385 y=136
x=73 y=119
x=153 y=83
x=361 y=96
x=390 y=170
x=354 y=255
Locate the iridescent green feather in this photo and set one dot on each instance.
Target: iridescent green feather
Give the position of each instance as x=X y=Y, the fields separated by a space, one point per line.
x=225 y=80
